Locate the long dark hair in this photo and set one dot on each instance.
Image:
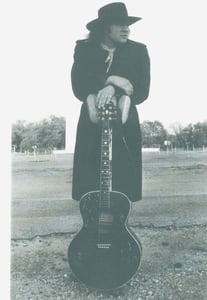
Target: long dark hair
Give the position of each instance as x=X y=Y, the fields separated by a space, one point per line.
x=96 y=35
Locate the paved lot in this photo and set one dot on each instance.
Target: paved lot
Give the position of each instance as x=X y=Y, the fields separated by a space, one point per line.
x=171 y=222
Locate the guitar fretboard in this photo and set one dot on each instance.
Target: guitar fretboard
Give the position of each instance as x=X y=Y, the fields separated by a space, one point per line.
x=106 y=172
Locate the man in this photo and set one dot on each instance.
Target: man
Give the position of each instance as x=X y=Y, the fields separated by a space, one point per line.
x=110 y=67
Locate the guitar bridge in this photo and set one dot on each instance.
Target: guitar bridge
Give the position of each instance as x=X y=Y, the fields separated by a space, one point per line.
x=103 y=246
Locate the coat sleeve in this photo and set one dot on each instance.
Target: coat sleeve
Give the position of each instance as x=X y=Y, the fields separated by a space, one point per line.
x=84 y=77
x=141 y=77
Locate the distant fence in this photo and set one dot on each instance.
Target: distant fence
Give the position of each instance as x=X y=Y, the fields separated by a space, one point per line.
x=37 y=155
x=150 y=149
x=173 y=149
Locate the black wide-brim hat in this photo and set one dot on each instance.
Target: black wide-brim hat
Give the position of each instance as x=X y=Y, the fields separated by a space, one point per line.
x=112 y=13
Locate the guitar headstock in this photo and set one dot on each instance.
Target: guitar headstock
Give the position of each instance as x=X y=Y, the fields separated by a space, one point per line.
x=108 y=112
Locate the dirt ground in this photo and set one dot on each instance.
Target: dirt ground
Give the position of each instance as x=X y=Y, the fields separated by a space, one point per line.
x=170 y=221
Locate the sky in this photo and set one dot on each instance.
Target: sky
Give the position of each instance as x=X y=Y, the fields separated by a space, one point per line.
x=40 y=37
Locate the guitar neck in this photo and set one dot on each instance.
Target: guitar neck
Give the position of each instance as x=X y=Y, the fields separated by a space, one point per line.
x=106 y=164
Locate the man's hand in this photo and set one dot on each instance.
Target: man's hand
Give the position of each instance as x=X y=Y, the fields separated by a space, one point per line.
x=122 y=83
x=95 y=102
x=104 y=96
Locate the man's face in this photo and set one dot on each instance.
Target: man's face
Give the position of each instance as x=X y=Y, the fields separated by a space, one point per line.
x=118 y=33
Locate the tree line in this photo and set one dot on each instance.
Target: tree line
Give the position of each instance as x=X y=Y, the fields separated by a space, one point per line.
x=44 y=135
x=48 y=134
x=178 y=136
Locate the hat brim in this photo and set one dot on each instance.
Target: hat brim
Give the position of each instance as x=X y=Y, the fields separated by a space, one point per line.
x=109 y=20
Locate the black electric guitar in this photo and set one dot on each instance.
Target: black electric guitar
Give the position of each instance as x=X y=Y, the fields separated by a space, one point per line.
x=105 y=253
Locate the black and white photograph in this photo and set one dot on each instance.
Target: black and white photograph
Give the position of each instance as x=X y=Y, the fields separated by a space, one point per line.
x=107 y=149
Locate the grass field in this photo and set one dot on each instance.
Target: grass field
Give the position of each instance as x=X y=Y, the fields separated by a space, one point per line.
x=174 y=192
x=182 y=173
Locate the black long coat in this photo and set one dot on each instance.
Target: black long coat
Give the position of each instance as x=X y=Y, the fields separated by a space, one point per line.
x=88 y=76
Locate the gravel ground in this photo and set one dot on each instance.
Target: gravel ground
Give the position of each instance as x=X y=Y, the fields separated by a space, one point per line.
x=174 y=266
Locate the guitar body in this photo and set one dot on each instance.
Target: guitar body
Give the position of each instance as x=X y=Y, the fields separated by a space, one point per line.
x=105 y=254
